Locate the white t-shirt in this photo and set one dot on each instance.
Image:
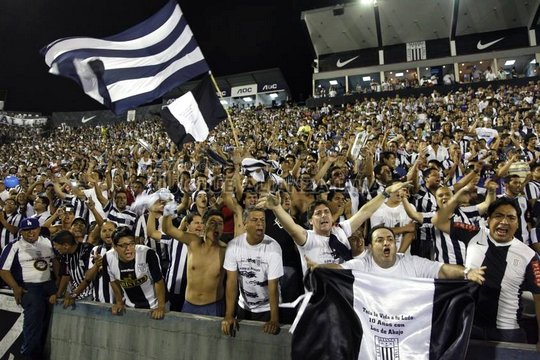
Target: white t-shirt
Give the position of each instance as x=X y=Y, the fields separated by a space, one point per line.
x=318 y=249
x=255 y=264
x=405 y=266
x=391 y=217
x=487 y=134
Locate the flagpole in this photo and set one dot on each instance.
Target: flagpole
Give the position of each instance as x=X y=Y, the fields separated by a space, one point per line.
x=226 y=110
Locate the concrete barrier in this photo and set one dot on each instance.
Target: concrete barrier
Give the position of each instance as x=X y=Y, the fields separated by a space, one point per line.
x=90 y=332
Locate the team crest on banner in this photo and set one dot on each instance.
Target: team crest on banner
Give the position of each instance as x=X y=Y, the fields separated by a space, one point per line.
x=387 y=348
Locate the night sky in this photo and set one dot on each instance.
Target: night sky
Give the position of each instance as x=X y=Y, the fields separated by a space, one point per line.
x=235 y=36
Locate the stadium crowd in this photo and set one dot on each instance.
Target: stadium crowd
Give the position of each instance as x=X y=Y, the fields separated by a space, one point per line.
x=222 y=228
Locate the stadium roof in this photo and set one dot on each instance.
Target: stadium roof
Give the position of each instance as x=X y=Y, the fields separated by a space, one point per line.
x=355 y=25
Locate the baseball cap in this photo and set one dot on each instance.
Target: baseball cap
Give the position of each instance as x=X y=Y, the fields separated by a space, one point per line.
x=29 y=224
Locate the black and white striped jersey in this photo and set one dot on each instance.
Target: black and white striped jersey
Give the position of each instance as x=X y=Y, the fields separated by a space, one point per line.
x=176 y=276
x=136 y=277
x=5 y=235
x=121 y=218
x=511 y=268
x=161 y=248
x=75 y=266
x=79 y=206
x=102 y=289
x=450 y=250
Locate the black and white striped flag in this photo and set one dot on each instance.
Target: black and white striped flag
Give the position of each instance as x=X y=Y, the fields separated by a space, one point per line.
x=354 y=315
x=134 y=67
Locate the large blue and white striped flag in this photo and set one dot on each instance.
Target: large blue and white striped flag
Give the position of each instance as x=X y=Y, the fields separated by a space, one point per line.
x=134 y=67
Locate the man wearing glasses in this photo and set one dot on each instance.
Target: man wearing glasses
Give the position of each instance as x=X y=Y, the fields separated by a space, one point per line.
x=134 y=274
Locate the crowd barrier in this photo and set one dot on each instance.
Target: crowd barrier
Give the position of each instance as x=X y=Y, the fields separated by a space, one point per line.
x=90 y=331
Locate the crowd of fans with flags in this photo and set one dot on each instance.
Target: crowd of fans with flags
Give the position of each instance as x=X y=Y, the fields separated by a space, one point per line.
x=111 y=195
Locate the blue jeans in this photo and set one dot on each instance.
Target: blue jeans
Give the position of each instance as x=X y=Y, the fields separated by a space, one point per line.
x=35 y=302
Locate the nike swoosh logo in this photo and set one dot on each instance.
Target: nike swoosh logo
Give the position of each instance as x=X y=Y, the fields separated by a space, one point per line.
x=85 y=120
x=342 y=64
x=481 y=46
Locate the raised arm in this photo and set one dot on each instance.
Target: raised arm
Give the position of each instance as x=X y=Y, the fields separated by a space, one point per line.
x=441 y=219
x=177 y=234
x=151 y=227
x=92 y=206
x=99 y=194
x=411 y=211
x=324 y=169
x=273 y=202
x=370 y=207
x=491 y=187
x=233 y=205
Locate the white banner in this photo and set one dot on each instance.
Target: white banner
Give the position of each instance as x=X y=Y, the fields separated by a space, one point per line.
x=395 y=329
x=20 y=121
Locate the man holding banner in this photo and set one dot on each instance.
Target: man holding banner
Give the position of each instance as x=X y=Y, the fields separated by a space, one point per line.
x=368 y=314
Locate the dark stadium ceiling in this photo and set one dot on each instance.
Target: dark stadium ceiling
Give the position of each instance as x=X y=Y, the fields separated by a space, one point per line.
x=353 y=25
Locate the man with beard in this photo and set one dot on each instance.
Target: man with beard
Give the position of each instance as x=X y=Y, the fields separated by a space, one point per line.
x=204 y=292
x=253 y=261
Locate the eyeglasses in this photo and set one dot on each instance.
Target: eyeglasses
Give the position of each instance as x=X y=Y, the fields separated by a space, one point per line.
x=126 y=245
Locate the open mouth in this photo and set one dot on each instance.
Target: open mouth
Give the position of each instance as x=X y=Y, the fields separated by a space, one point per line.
x=501 y=231
x=386 y=252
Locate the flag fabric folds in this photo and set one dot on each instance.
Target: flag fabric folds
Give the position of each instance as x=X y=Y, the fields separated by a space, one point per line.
x=194 y=114
x=134 y=67
x=353 y=315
